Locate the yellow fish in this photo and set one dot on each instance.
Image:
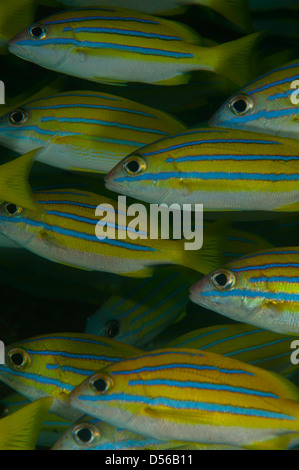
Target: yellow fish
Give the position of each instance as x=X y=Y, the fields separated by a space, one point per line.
x=194 y=396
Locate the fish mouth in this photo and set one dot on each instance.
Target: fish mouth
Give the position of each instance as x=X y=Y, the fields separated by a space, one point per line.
x=193 y=293
x=112 y=186
x=16 y=50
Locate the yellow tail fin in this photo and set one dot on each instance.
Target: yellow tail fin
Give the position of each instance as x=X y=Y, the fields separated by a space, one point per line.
x=20 y=430
x=210 y=256
x=14 y=185
x=236 y=60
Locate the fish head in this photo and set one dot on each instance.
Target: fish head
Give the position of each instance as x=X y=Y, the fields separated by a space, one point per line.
x=106 y=322
x=46 y=43
x=85 y=434
x=226 y=291
x=53 y=365
x=28 y=371
x=14 y=224
x=115 y=320
x=18 y=130
x=137 y=175
x=17 y=371
x=242 y=111
x=101 y=396
x=33 y=371
x=269 y=105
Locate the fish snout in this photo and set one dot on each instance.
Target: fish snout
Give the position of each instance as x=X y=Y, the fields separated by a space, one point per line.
x=14 y=45
x=196 y=290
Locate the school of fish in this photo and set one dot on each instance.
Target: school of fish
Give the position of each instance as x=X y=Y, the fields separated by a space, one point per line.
x=149 y=215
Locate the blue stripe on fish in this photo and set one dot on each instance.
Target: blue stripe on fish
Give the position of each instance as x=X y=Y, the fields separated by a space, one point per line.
x=91 y=106
x=150 y=295
x=280 y=296
x=274 y=84
x=276 y=114
x=41 y=379
x=266 y=266
x=253 y=348
x=188 y=405
x=124 y=32
x=103 y=123
x=80 y=204
x=38 y=130
x=133 y=291
x=90 y=357
x=286 y=67
x=266 y=253
x=200 y=336
x=202 y=386
x=155 y=320
x=107 y=45
x=213 y=141
x=223 y=340
x=165 y=299
x=244 y=158
x=79 y=235
x=84 y=372
x=212 y=175
x=86 y=220
x=272 y=358
x=282 y=95
x=290 y=279
x=185 y=366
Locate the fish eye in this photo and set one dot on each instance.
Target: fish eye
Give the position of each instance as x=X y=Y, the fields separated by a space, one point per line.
x=112 y=328
x=18 y=117
x=38 y=31
x=101 y=383
x=223 y=280
x=134 y=165
x=11 y=209
x=241 y=105
x=85 y=433
x=18 y=359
